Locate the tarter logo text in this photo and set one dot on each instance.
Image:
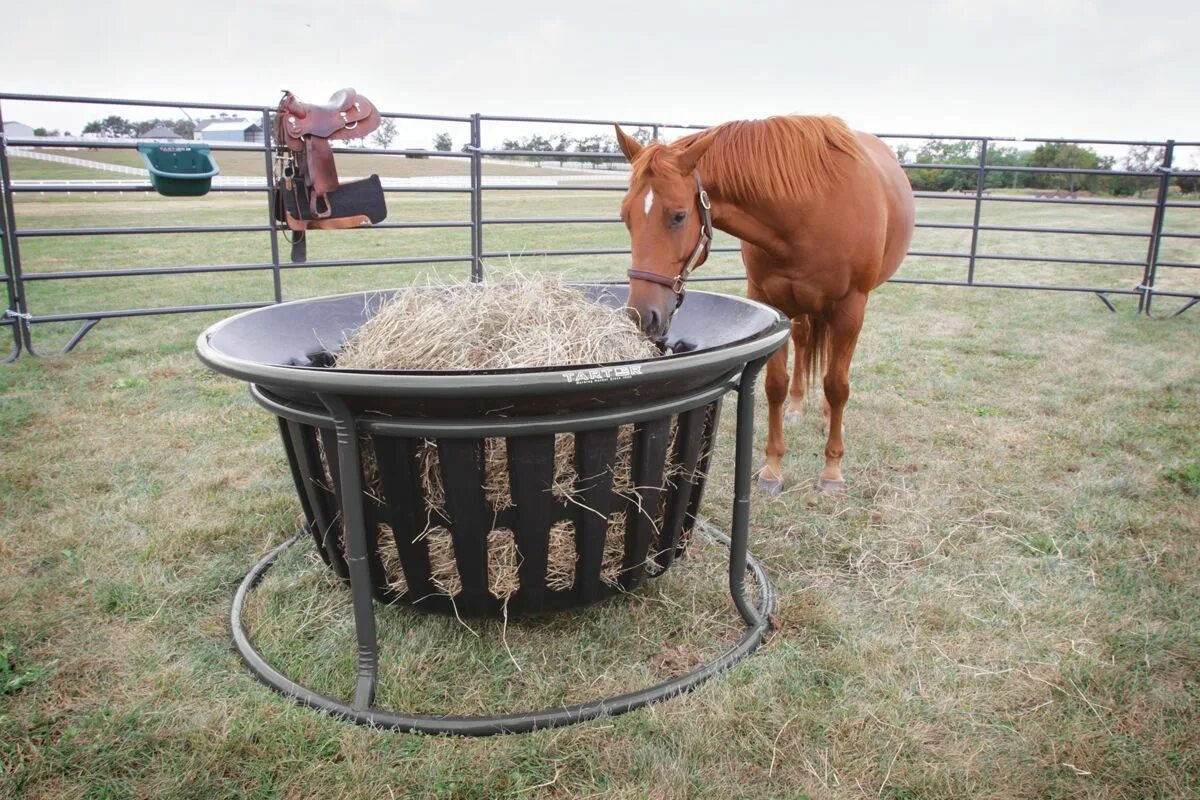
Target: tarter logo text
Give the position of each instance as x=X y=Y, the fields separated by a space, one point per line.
x=599 y=374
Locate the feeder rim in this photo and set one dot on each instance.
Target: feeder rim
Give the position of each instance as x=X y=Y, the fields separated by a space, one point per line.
x=509 y=382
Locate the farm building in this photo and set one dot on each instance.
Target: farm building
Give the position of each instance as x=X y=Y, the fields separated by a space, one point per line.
x=18 y=130
x=228 y=129
x=160 y=133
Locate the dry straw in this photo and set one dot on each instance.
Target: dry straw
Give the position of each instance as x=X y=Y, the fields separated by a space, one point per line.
x=526 y=322
x=523 y=323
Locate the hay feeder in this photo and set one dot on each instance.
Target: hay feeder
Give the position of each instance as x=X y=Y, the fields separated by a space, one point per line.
x=355 y=438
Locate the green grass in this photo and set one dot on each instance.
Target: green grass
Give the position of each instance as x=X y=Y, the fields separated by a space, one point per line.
x=1004 y=605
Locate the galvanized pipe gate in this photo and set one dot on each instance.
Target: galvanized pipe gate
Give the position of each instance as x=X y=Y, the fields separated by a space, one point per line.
x=20 y=318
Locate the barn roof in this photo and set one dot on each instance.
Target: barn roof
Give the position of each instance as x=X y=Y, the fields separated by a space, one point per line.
x=229 y=125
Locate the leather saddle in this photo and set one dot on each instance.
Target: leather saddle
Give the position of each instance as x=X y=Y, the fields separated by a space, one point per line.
x=309 y=193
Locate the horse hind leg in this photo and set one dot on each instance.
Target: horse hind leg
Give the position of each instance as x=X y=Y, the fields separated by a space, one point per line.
x=795 y=405
x=770 y=478
x=844 y=327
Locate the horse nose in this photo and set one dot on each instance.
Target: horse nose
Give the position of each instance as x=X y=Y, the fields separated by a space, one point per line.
x=651 y=326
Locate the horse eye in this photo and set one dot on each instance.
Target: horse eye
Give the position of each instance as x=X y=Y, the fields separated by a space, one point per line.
x=679 y=217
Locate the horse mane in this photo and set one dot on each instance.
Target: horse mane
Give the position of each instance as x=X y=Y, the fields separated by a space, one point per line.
x=777 y=159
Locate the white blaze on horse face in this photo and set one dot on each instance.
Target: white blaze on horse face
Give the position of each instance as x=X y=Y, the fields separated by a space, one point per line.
x=649 y=203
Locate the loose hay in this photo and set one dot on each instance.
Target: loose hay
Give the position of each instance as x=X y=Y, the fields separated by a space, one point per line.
x=561 y=557
x=443 y=569
x=390 y=559
x=530 y=323
x=613 y=559
x=503 y=564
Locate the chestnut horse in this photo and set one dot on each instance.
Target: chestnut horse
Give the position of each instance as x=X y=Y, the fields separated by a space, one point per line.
x=824 y=214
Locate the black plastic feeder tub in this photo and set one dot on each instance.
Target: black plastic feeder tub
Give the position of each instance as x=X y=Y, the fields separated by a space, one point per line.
x=385 y=461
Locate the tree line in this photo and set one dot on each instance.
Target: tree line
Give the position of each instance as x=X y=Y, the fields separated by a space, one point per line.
x=1049 y=155
x=117 y=127
x=561 y=147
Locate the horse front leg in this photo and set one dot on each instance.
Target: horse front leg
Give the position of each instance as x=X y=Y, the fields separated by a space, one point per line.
x=770 y=478
x=845 y=324
x=795 y=406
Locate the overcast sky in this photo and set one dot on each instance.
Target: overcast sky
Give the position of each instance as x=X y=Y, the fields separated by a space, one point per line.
x=1083 y=68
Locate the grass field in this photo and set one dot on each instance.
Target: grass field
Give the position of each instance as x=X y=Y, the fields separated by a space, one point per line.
x=1004 y=605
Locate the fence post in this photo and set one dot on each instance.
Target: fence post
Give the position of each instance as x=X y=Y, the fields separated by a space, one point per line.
x=476 y=202
x=1156 y=227
x=980 y=183
x=271 y=210
x=18 y=309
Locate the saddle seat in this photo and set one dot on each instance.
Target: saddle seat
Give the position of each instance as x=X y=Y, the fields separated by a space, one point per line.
x=347 y=115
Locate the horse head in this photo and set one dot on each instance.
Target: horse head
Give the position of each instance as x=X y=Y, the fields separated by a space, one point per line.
x=667 y=213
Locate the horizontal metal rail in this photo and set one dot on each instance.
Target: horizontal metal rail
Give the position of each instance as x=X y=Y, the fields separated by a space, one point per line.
x=200 y=269
x=34 y=233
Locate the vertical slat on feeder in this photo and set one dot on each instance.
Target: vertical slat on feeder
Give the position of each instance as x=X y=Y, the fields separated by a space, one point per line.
x=649 y=455
x=403 y=504
x=298 y=439
x=471 y=517
x=688 y=436
x=706 y=452
x=294 y=465
x=595 y=452
x=373 y=514
x=531 y=476
x=320 y=500
x=333 y=537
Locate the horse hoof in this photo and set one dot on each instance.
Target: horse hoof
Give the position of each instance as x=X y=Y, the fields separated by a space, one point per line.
x=792 y=418
x=825 y=486
x=769 y=486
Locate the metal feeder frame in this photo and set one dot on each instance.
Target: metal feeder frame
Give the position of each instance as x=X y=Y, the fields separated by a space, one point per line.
x=348 y=424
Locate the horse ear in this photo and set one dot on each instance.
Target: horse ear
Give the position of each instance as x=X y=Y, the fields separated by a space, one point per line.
x=689 y=156
x=629 y=146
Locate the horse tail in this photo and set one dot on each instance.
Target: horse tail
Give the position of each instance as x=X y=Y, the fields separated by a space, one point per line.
x=815 y=352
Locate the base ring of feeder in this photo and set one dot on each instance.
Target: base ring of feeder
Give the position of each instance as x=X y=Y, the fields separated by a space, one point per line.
x=757 y=624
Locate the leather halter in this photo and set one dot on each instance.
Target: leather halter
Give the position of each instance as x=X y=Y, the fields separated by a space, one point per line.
x=678 y=284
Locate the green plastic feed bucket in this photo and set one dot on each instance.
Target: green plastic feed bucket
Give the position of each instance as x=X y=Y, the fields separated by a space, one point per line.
x=179 y=170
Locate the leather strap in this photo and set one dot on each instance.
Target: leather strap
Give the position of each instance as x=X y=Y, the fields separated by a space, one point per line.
x=322 y=175
x=678 y=284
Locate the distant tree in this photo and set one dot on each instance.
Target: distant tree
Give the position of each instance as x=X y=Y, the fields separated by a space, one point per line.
x=1000 y=156
x=112 y=126
x=385 y=134
x=642 y=136
x=1143 y=158
x=443 y=142
x=1067 y=156
x=538 y=142
x=45 y=132
x=942 y=151
x=1189 y=184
